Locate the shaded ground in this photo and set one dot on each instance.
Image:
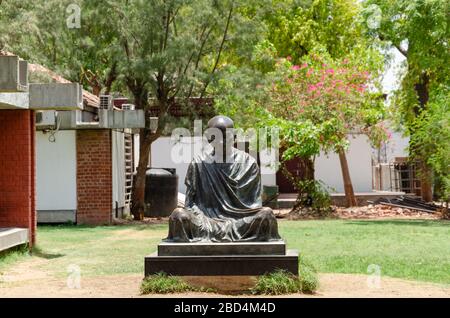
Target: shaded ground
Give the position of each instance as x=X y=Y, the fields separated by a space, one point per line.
x=110 y=258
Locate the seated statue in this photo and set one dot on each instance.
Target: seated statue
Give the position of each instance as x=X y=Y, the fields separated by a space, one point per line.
x=223 y=196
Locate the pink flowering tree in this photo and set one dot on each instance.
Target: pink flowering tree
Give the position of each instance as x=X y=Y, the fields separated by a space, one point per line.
x=317 y=104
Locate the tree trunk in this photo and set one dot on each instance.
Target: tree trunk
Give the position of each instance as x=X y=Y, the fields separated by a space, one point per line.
x=348 y=187
x=426 y=183
x=426 y=186
x=138 y=193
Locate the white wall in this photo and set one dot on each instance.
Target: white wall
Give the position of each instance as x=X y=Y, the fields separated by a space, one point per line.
x=359 y=157
x=327 y=167
x=162 y=157
x=397 y=146
x=56 y=185
x=169 y=154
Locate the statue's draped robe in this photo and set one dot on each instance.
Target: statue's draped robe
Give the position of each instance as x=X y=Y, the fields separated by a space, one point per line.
x=223 y=203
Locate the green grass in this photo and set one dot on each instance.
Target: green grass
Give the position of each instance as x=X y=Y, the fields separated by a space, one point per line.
x=410 y=249
x=11 y=256
x=281 y=282
x=161 y=283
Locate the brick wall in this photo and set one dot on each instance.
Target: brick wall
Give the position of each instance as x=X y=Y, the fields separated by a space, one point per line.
x=17 y=170
x=94 y=177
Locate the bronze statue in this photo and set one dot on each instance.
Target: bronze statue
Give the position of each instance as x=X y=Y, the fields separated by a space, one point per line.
x=223 y=196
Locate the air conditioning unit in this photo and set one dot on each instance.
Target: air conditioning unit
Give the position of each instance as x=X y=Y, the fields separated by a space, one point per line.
x=128 y=107
x=46 y=119
x=106 y=102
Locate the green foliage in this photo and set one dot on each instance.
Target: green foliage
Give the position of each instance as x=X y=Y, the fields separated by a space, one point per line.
x=307 y=275
x=420 y=31
x=277 y=283
x=162 y=283
x=281 y=282
x=318 y=103
x=12 y=255
x=300 y=27
x=315 y=195
x=431 y=139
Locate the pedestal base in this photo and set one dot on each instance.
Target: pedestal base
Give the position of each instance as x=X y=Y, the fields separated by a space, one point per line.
x=221 y=259
x=235 y=248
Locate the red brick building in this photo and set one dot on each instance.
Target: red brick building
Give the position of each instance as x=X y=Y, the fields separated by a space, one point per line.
x=22 y=109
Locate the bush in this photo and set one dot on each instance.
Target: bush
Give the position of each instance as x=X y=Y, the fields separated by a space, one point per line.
x=162 y=283
x=308 y=276
x=281 y=282
x=277 y=283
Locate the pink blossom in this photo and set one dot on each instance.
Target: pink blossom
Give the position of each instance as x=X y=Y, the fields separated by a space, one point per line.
x=296 y=67
x=330 y=71
x=304 y=65
x=288 y=58
x=312 y=88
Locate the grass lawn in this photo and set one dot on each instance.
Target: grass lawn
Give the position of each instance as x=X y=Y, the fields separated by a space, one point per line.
x=410 y=249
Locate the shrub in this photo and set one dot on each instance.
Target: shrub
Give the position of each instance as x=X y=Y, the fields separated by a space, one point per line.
x=281 y=282
x=161 y=283
x=308 y=276
x=277 y=283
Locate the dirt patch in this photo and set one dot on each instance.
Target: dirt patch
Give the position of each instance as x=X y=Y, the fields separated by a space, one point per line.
x=123 y=286
x=370 y=211
x=351 y=285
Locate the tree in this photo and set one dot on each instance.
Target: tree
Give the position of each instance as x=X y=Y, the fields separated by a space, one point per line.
x=319 y=103
x=39 y=32
x=172 y=51
x=161 y=52
x=431 y=140
x=295 y=29
x=420 y=31
x=333 y=27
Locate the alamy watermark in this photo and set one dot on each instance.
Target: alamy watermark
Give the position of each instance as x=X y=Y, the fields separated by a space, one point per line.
x=74 y=276
x=374 y=16
x=374 y=276
x=73 y=21
x=262 y=143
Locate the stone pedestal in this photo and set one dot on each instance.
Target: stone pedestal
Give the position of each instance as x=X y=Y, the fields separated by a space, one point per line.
x=221 y=259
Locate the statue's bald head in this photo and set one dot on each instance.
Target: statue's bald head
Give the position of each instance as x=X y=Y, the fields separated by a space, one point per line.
x=220 y=133
x=221 y=122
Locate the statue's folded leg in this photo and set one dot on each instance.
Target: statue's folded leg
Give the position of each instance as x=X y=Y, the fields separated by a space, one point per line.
x=190 y=225
x=262 y=226
x=183 y=227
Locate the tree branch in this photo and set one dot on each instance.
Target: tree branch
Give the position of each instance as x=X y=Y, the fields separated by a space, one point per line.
x=225 y=33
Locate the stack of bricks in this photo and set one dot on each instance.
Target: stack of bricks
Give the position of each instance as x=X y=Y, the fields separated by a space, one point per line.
x=94 y=177
x=17 y=170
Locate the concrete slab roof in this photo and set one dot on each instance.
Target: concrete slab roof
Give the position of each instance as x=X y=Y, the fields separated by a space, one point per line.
x=89 y=99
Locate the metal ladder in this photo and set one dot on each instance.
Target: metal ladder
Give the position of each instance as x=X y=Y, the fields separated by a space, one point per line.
x=128 y=167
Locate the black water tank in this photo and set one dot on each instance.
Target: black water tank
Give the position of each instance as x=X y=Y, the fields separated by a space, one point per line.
x=161 y=192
